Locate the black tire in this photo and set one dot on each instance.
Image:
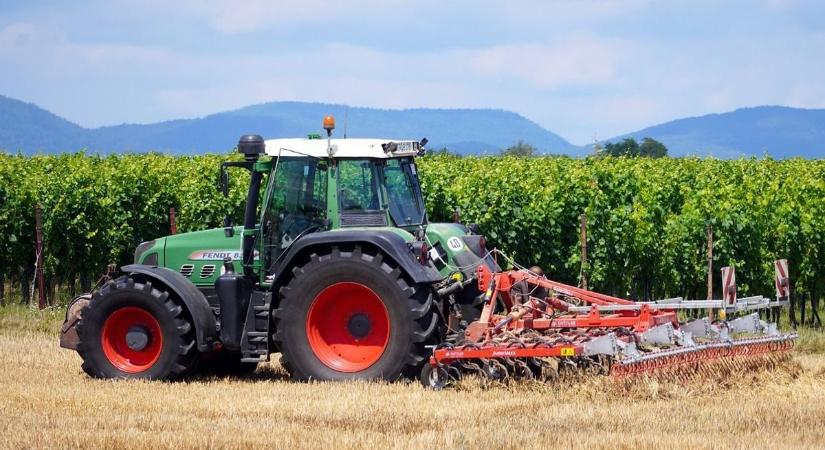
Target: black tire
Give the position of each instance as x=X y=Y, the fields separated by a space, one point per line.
x=225 y=364
x=410 y=309
x=178 y=354
x=435 y=378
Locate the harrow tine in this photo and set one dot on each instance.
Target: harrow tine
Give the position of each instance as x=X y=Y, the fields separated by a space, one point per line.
x=454 y=373
x=496 y=371
x=523 y=370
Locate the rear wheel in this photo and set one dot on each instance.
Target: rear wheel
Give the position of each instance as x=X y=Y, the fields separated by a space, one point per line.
x=133 y=330
x=353 y=315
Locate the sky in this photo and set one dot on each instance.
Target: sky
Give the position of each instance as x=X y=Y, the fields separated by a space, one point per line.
x=583 y=69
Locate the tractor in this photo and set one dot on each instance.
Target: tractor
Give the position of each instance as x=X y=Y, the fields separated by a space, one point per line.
x=335 y=267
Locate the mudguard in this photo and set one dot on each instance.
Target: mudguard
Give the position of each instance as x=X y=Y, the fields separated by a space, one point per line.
x=388 y=242
x=206 y=332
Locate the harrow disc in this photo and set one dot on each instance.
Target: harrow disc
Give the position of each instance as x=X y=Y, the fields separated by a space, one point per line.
x=517 y=360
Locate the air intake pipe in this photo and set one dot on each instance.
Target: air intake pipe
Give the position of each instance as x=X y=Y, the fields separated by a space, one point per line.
x=251 y=146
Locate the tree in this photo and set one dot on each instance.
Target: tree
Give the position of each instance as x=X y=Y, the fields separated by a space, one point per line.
x=652 y=148
x=625 y=147
x=443 y=151
x=520 y=149
x=629 y=147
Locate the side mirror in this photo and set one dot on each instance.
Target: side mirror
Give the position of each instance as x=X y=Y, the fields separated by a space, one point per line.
x=224 y=182
x=228 y=229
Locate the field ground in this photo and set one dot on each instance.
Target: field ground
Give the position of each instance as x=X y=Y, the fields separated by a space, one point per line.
x=47 y=401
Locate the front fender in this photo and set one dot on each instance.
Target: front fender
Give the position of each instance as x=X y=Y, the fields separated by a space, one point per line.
x=206 y=331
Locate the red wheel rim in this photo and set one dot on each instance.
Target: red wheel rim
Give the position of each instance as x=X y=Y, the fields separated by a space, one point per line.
x=348 y=327
x=116 y=347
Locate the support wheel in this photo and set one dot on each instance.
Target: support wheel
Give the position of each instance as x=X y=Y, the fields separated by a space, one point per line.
x=435 y=378
x=353 y=315
x=133 y=330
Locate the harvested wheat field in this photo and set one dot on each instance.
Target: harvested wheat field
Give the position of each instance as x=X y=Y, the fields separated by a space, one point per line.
x=47 y=401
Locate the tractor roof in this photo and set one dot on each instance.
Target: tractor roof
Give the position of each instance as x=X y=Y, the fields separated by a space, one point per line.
x=343 y=148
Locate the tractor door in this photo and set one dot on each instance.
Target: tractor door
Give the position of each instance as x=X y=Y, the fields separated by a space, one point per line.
x=295 y=204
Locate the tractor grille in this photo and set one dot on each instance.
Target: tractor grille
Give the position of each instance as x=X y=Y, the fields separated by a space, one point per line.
x=364 y=219
x=186 y=269
x=207 y=271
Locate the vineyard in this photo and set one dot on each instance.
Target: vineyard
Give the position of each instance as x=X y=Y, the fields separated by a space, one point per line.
x=647 y=218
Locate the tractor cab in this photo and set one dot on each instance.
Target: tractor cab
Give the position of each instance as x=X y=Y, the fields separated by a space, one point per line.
x=339 y=184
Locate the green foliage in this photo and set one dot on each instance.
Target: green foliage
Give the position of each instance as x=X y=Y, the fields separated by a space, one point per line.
x=646 y=217
x=97 y=209
x=520 y=149
x=629 y=147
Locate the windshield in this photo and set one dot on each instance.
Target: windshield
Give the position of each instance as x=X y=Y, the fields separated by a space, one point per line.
x=405 y=202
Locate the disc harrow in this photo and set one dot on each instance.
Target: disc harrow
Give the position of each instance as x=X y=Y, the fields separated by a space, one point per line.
x=534 y=328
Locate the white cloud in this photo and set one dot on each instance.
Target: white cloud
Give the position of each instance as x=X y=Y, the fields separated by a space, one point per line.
x=779 y=4
x=246 y=16
x=557 y=63
x=24 y=36
x=575 y=62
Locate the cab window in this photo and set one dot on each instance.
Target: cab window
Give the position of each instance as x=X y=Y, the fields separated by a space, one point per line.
x=358 y=185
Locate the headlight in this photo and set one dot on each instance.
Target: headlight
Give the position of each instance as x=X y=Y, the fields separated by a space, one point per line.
x=141 y=249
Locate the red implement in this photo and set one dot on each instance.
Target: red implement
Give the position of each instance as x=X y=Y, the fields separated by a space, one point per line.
x=528 y=322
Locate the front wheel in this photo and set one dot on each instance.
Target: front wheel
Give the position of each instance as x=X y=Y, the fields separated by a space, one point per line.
x=353 y=315
x=133 y=330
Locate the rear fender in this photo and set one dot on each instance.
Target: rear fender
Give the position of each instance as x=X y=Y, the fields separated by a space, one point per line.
x=390 y=243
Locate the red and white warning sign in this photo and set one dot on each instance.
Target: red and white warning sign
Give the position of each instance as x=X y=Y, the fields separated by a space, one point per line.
x=782 y=281
x=728 y=286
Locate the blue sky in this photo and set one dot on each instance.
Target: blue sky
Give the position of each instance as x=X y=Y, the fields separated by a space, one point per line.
x=582 y=69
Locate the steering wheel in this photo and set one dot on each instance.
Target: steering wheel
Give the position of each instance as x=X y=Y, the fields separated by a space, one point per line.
x=292 y=221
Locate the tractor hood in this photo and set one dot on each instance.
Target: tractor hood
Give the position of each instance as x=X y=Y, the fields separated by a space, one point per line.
x=197 y=255
x=454 y=248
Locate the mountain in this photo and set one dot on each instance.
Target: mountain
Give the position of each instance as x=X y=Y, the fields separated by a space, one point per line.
x=28 y=128
x=775 y=130
x=779 y=131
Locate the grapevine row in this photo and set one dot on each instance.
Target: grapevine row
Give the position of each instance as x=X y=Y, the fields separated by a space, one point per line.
x=646 y=217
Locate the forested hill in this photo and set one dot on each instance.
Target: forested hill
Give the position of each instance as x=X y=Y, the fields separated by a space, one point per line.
x=30 y=129
x=766 y=130
x=777 y=131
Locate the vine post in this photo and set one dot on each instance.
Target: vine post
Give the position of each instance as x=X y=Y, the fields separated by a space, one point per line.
x=583 y=230
x=38 y=268
x=173 y=226
x=710 y=269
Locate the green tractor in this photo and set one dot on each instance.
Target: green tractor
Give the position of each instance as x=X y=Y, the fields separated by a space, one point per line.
x=335 y=267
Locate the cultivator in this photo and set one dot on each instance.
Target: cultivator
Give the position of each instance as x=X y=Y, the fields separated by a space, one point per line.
x=532 y=327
